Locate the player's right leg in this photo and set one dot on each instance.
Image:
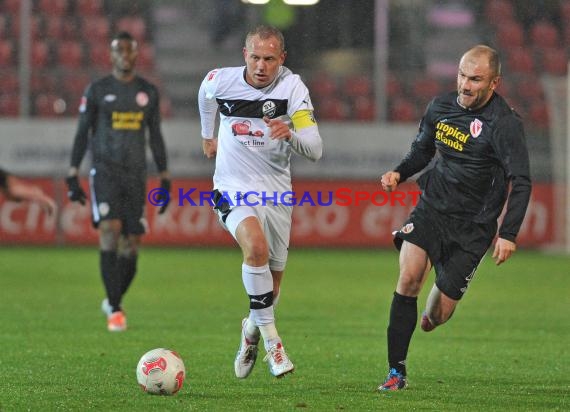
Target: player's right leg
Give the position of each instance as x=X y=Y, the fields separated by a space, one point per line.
x=258 y=282
x=414 y=268
x=105 y=198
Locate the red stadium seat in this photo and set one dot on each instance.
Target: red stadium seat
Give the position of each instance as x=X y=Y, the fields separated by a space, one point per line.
x=35 y=25
x=355 y=86
x=323 y=86
x=40 y=54
x=145 y=59
x=393 y=86
x=498 y=12
x=9 y=82
x=333 y=109
x=52 y=7
x=43 y=82
x=520 y=60
x=10 y=7
x=134 y=25
x=529 y=88
x=95 y=29
x=100 y=56
x=54 y=28
x=544 y=34
x=425 y=89
x=6 y=53
x=70 y=54
x=364 y=109
x=538 y=114
x=90 y=8
x=403 y=111
x=555 y=61
x=74 y=84
x=9 y=105
x=510 y=34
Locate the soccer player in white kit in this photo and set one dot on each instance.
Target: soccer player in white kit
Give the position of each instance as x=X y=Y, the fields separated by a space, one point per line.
x=265 y=114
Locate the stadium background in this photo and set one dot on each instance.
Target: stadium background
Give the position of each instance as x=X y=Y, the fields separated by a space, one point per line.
x=371 y=66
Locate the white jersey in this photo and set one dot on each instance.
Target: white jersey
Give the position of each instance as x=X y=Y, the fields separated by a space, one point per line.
x=247 y=158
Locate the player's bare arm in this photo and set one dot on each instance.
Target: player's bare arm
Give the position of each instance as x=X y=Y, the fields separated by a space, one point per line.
x=210 y=147
x=503 y=250
x=390 y=181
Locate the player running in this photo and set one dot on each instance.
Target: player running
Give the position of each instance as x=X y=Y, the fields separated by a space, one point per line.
x=482 y=151
x=265 y=115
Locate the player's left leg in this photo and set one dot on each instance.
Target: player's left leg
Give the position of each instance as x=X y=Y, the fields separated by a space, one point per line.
x=439 y=308
x=127 y=260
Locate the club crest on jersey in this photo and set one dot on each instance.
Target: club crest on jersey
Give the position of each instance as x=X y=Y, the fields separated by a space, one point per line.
x=211 y=75
x=407 y=229
x=476 y=127
x=142 y=99
x=269 y=108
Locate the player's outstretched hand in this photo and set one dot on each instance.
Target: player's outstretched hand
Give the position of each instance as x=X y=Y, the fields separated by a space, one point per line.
x=390 y=181
x=164 y=197
x=75 y=192
x=503 y=250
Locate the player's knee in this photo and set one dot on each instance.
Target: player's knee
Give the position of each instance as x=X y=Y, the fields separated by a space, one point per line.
x=409 y=284
x=256 y=253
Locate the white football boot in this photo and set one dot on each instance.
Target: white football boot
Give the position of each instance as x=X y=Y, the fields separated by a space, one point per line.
x=246 y=354
x=278 y=361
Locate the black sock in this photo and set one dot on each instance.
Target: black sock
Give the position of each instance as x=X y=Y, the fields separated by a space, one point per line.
x=127 y=267
x=111 y=279
x=403 y=319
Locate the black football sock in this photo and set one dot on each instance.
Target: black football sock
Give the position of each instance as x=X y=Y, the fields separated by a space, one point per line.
x=111 y=279
x=127 y=266
x=403 y=320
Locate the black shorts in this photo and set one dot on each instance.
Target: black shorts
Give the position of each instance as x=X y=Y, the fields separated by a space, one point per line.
x=119 y=196
x=454 y=246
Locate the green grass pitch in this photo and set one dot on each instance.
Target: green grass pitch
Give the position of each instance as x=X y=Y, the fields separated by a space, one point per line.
x=506 y=348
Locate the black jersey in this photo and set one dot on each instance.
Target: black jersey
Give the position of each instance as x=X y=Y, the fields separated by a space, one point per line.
x=116 y=114
x=479 y=153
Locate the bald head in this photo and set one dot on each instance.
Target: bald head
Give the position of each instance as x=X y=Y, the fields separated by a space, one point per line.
x=487 y=54
x=478 y=76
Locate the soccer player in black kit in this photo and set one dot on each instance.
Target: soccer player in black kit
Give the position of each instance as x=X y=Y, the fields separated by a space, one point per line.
x=481 y=149
x=115 y=112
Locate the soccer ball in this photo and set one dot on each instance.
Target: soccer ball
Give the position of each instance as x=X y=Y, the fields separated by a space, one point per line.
x=161 y=372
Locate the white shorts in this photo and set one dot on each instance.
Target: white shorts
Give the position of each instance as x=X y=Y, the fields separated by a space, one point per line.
x=276 y=223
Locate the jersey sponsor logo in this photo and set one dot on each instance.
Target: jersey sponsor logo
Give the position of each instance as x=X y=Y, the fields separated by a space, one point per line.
x=211 y=75
x=451 y=136
x=127 y=120
x=269 y=108
x=83 y=104
x=110 y=98
x=142 y=99
x=476 y=127
x=244 y=129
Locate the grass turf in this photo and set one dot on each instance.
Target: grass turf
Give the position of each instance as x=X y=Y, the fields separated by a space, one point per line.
x=506 y=347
